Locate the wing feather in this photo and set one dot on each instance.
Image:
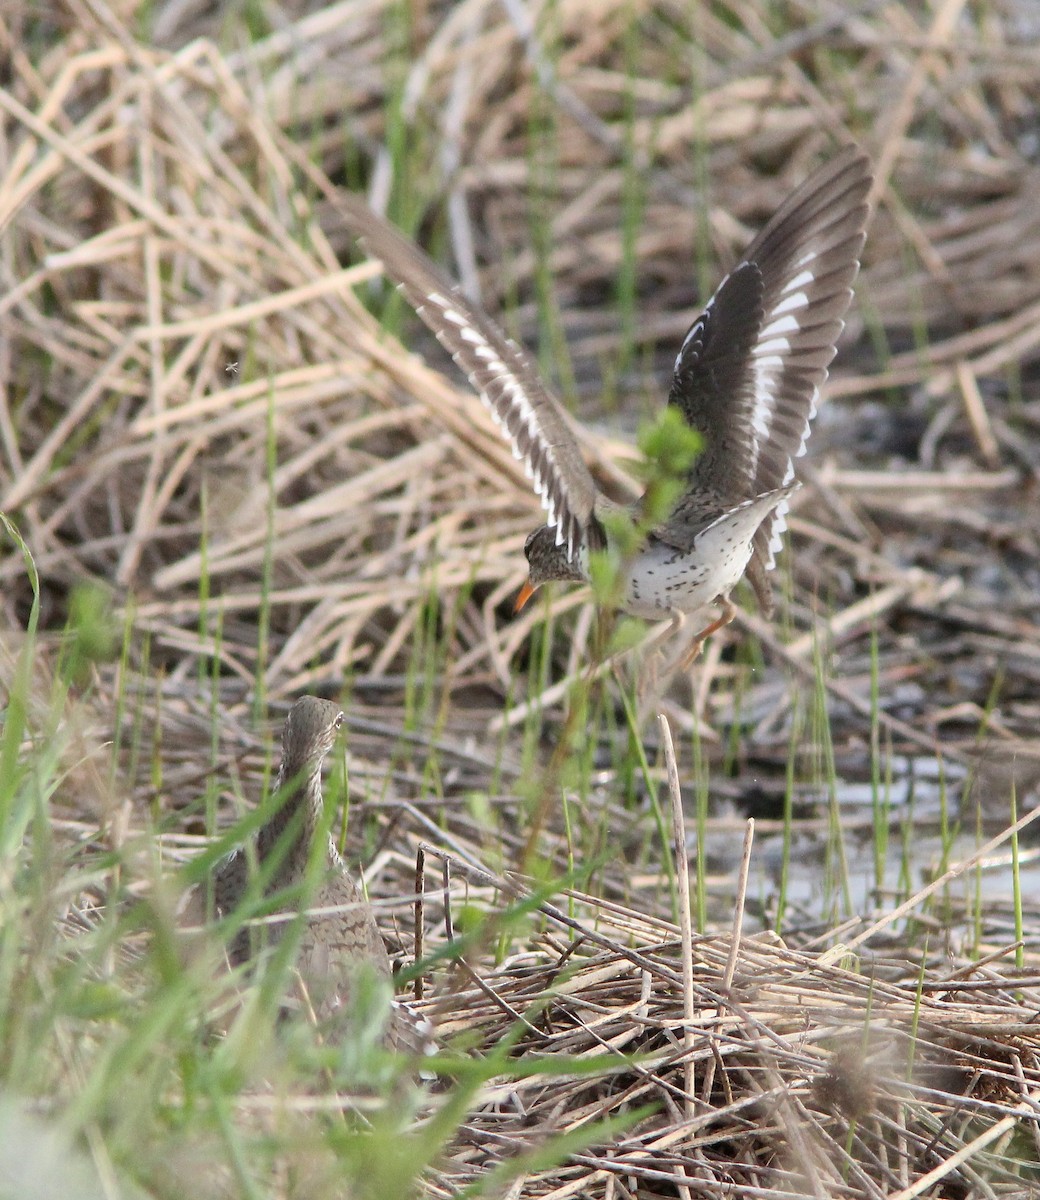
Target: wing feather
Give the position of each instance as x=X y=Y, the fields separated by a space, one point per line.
x=749 y=372
x=500 y=371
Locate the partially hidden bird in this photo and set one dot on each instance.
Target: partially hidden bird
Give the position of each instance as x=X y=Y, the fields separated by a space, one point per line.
x=339 y=940
x=747 y=378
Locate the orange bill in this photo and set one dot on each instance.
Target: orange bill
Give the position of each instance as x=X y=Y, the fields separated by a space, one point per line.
x=525 y=594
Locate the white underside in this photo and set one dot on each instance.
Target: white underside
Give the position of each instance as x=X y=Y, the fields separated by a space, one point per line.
x=663 y=580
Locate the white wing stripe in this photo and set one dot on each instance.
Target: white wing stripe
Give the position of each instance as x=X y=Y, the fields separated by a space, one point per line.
x=789 y=304
x=523 y=413
x=803 y=278
x=694 y=331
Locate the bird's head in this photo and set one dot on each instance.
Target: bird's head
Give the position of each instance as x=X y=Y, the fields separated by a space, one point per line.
x=547 y=562
x=309 y=734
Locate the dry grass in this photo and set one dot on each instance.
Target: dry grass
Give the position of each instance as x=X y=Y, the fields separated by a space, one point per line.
x=801 y=1078
x=173 y=287
x=200 y=413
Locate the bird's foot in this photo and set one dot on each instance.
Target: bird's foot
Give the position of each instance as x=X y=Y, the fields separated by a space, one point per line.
x=729 y=611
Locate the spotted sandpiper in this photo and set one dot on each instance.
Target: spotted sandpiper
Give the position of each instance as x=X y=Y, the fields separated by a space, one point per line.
x=340 y=939
x=747 y=378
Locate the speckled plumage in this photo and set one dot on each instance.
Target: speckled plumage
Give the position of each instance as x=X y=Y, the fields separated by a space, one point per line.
x=334 y=947
x=746 y=377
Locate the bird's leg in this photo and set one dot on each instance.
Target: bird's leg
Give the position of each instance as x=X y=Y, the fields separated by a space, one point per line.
x=646 y=680
x=729 y=611
x=662 y=635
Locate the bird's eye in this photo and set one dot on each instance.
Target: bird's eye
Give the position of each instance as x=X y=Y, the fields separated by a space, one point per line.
x=339 y=720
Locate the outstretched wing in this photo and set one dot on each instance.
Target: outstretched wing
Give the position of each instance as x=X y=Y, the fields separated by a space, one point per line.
x=502 y=374
x=749 y=371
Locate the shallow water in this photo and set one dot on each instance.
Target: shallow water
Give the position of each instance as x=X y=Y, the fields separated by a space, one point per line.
x=937 y=816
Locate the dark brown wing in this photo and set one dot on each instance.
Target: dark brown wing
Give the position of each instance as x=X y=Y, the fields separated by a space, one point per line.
x=748 y=374
x=499 y=370
x=713 y=383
